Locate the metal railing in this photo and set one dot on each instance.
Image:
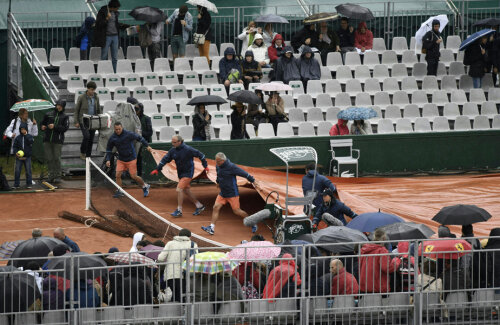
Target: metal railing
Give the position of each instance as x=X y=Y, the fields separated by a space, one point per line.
x=401 y=287
x=19 y=46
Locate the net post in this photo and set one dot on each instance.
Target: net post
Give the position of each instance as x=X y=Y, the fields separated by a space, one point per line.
x=87 y=183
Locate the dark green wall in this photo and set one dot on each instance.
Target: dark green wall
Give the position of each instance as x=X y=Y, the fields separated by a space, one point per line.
x=379 y=153
x=4 y=105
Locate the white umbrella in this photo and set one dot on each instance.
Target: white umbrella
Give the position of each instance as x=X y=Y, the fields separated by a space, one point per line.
x=274 y=86
x=427 y=26
x=204 y=3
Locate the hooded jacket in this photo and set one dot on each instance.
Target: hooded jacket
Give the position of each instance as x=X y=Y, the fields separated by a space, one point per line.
x=84 y=37
x=125 y=145
x=52 y=297
x=300 y=37
x=137 y=238
x=24 y=143
x=339 y=128
x=346 y=38
x=374 y=270
x=280 y=276
x=61 y=125
x=146 y=126
x=259 y=51
x=309 y=68
x=492 y=258
x=226 y=178
x=335 y=208
x=344 y=283
x=274 y=52
x=183 y=156
x=200 y=124
x=363 y=40
x=101 y=24
x=287 y=69
x=430 y=45
x=225 y=65
x=321 y=184
x=174 y=254
x=15 y=128
x=251 y=68
x=475 y=59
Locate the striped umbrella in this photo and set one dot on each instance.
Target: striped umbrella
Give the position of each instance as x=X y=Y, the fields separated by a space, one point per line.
x=8 y=248
x=32 y=105
x=129 y=258
x=210 y=263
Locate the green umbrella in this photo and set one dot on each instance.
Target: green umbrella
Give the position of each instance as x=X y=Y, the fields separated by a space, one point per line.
x=32 y=105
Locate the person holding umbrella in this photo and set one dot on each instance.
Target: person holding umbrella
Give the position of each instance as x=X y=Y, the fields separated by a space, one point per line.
x=359 y=127
x=275 y=108
x=203 y=27
x=430 y=45
x=238 y=122
x=346 y=36
x=306 y=36
x=475 y=57
x=201 y=123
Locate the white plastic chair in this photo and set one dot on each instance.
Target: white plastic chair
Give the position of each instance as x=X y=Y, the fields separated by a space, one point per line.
x=331 y=114
x=392 y=112
x=489 y=109
x=181 y=65
x=314 y=88
x=104 y=95
x=86 y=68
x=75 y=81
x=399 y=71
x=363 y=100
x=178 y=92
x=440 y=124
x=333 y=87
x=109 y=106
x=161 y=65
x=381 y=71
x=334 y=60
x=190 y=79
x=371 y=59
x=453 y=43
x=451 y=111
x=200 y=64
x=411 y=112
x=471 y=110
x=382 y=99
x=385 y=126
x=390 y=85
x=372 y=86
x=297 y=88
x=496 y=122
x=166 y=133
x=403 y=125
x=41 y=54
x=159 y=93
x=400 y=98
x=225 y=132
x=379 y=45
x=304 y=102
x=481 y=123
x=323 y=128
x=352 y=60
x=476 y=96
x=65 y=69
x=265 y=131
x=458 y=96
x=353 y=87
x=361 y=73
x=285 y=130
x=449 y=84
x=74 y=55
x=124 y=67
x=409 y=58
x=462 y=123
x=142 y=67
x=306 y=129
x=176 y=120
x=343 y=74
x=121 y=94
x=409 y=84
x=295 y=116
x=57 y=56
x=134 y=53
x=419 y=70
x=419 y=98
x=343 y=100
x=315 y=115
x=141 y=93
x=158 y=121
x=168 y=106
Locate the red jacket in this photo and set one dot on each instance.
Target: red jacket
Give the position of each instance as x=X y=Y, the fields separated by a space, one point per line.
x=279 y=277
x=374 y=270
x=363 y=40
x=339 y=128
x=272 y=51
x=344 y=283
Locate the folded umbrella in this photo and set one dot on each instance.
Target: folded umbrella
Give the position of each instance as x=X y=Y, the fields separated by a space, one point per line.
x=427 y=26
x=148 y=14
x=34 y=247
x=461 y=214
x=210 y=263
x=254 y=250
x=19 y=290
x=274 y=86
x=270 y=19
x=474 y=37
x=204 y=3
x=488 y=22
x=344 y=237
x=368 y=222
x=354 y=11
x=81 y=261
x=357 y=113
x=207 y=100
x=447 y=249
x=320 y=17
x=245 y=96
x=407 y=231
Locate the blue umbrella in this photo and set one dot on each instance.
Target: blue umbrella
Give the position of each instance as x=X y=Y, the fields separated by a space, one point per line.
x=357 y=113
x=474 y=37
x=368 y=222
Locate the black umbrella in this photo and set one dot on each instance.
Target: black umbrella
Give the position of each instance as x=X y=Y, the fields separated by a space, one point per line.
x=354 y=11
x=270 y=18
x=322 y=16
x=338 y=234
x=407 y=231
x=207 y=100
x=245 y=96
x=18 y=290
x=148 y=14
x=461 y=214
x=80 y=261
x=488 y=22
x=34 y=247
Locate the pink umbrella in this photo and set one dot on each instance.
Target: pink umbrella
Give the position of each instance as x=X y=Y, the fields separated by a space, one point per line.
x=152 y=251
x=254 y=250
x=128 y=258
x=274 y=86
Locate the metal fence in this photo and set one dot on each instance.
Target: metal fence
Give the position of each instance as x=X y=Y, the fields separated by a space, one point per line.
x=414 y=284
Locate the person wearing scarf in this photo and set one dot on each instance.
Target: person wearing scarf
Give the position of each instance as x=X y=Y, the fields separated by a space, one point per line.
x=283 y=276
x=201 y=123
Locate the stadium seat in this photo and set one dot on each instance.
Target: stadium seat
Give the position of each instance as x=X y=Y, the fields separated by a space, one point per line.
x=389 y=58
x=190 y=79
x=109 y=106
x=213 y=51
x=297 y=88
x=409 y=58
x=411 y=112
x=215 y=63
x=333 y=87
x=430 y=84
x=446 y=57
x=304 y=102
x=209 y=78
x=141 y=93
x=306 y=129
x=481 y=123
x=465 y=83
x=390 y=85
x=225 y=132
x=457 y=305
x=362 y=100
x=451 y=111
x=496 y=122
x=161 y=65
x=113 y=81
x=489 y=109
x=124 y=67
x=218 y=119
x=57 y=56
x=169 y=79
x=371 y=59
x=477 y=96
x=199 y=91
x=192 y=51
x=372 y=86
x=334 y=60
x=458 y=97
x=381 y=99
x=200 y=64
x=224 y=46
x=74 y=55
x=385 y=126
x=285 y=130
x=295 y=116
x=379 y=45
x=409 y=84
x=453 y=43
x=324 y=128
x=400 y=98
x=168 y=106
x=352 y=60
x=178 y=92
x=181 y=65
x=324 y=101
x=419 y=98
x=462 y=123
x=353 y=87
x=166 y=133
x=265 y=74
x=65 y=69
x=176 y=120
x=331 y=114
x=142 y=67
x=159 y=93
x=184 y=108
x=41 y=54
x=104 y=68
x=218 y=90
x=75 y=81
x=376 y=119
x=132 y=80
x=134 y=53
x=392 y=112
x=265 y=131
x=121 y=94
x=86 y=68
x=343 y=74
x=150 y=107
x=494 y=95
x=151 y=80
x=326 y=74
x=470 y=109
x=361 y=73
x=403 y=125
x=449 y=83
x=399 y=71
x=456 y=69
x=440 y=124
x=158 y=121
x=422 y=124
x=440 y=97
x=380 y=72
x=419 y=70
x=314 y=88
x=314 y=115
x=104 y=95
x=250 y=131
x=343 y=100
x=95 y=54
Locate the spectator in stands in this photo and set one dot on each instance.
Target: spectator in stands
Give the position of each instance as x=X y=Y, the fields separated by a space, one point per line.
x=107 y=31
x=431 y=42
x=137 y=287
x=154 y=49
x=251 y=69
x=428 y=277
x=85 y=295
x=146 y=132
x=475 y=58
x=183 y=156
x=203 y=27
x=55 y=123
x=250 y=278
x=346 y=36
x=230 y=68
x=493 y=259
x=340 y=128
x=201 y=123
x=276 y=49
x=228 y=289
x=87 y=103
x=309 y=67
x=333 y=207
x=36 y=232
x=247 y=36
x=494 y=54
x=23 y=147
x=363 y=38
x=343 y=282
x=268 y=34
x=287 y=67
x=454 y=277
x=444 y=232
x=52 y=297
x=138 y=236
x=14 y=128
x=374 y=270
x=59 y=234
x=203 y=287
x=123 y=141
x=328 y=41
x=321 y=183
x=306 y=36
x=84 y=37
x=182 y=26
x=175 y=251
x=259 y=50
x=275 y=108
x=226 y=180
x=238 y=122
x=360 y=127
x=284 y=280
x=255 y=112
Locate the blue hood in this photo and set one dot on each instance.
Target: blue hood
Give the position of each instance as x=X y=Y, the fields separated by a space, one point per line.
x=230 y=50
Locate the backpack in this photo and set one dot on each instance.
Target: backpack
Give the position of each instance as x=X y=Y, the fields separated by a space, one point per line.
x=8 y=140
x=4 y=184
x=145 y=39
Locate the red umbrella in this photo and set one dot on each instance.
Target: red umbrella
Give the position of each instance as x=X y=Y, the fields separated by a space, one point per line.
x=447 y=249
